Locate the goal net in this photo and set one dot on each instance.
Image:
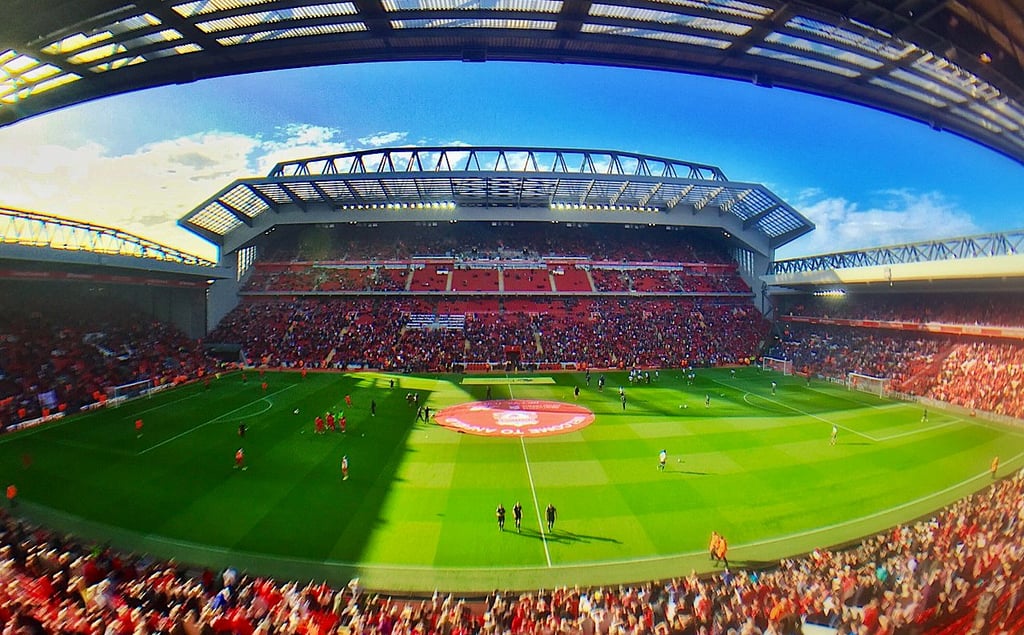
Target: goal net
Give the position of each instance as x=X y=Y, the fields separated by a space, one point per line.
x=784 y=366
x=866 y=383
x=117 y=394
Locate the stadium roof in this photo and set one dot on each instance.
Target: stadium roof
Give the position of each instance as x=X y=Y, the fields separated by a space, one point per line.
x=985 y=262
x=953 y=64
x=496 y=184
x=31 y=236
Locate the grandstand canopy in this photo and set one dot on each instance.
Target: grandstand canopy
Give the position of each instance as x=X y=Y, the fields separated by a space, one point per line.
x=953 y=64
x=33 y=239
x=986 y=262
x=450 y=184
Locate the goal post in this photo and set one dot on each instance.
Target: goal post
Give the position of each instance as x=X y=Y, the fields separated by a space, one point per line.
x=785 y=366
x=117 y=394
x=866 y=383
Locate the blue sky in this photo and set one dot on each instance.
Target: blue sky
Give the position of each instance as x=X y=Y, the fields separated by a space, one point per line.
x=140 y=161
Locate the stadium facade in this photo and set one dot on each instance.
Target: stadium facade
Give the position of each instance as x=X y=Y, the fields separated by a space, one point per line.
x=494 y=185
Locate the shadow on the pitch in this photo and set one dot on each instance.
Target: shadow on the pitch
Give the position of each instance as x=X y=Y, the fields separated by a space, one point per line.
x=570 y=537
x=525 y=533
x=692 y=472
x=564 y=537
x=852 y=443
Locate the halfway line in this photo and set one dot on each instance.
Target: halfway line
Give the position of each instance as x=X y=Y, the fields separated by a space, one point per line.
x=533 y=488
x=214 y=420
x=536 y=505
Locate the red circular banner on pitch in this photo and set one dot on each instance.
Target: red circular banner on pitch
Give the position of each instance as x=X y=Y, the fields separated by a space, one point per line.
x=515 y=417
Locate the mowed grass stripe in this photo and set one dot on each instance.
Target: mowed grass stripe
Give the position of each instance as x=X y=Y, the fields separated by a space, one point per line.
x=422 y=498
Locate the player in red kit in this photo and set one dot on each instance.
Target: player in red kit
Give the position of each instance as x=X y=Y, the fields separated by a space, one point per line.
x=138 y=428
x=342 y=422
x=331 y=422
x=319 y=423
x=348 y=400
x=240 y=459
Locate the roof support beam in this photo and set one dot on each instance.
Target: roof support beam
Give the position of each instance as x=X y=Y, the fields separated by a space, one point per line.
x=756 y=218
x=237 y=213
x=295 y=197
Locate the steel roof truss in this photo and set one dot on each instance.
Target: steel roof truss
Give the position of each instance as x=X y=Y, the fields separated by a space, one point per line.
x=298 y=200
x=234 y=211
x=263 y=197
x=706 y=200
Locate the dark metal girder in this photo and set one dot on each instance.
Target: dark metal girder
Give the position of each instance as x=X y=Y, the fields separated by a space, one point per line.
x=214 y=238
x=777 y=241
x=321 y=193
x=920 y=22
x=298 y=200
x=260 y=195
x=234 y=211
x=756 y=218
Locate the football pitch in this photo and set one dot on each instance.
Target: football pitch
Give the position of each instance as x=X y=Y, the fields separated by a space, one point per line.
x=418 y=509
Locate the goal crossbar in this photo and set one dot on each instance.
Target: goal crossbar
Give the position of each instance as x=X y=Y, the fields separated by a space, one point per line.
x=785 y=366
x=866 y=383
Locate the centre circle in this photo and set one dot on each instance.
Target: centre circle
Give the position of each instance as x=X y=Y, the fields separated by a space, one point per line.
x=515 y=418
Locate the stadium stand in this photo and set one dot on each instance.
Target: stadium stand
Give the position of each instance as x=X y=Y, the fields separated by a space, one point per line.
x=556 y=296
x=602 y=332
x=957 y=350
x=988 y=309
x=65 y=351
x=480 y=241
x=835 y=352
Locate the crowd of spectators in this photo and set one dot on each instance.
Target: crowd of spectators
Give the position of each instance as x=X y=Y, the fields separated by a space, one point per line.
x=487 y=241
x=287 y=278
x=837 y=351
x=62 y=351
x=986 y=309
x=601 y=332
x=958 y=572
x=980 y=375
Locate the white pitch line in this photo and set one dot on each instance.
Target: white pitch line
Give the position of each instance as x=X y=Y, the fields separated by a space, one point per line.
x=533 y=488
x=214 y=420
x=866 y=436
x=859 y=403
x=909 y=433
x=806 y=414
x=536 y=504
x=164 y=405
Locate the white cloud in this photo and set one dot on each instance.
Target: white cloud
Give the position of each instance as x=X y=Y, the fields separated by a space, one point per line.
x=142 y=192
x=380 y=139
x=899 y=216
x=145 y=190
x=299 y=141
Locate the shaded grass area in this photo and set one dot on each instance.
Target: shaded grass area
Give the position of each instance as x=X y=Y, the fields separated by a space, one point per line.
x=417 y=512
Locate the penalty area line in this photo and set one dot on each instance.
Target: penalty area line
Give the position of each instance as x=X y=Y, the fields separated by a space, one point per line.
x=164 y=405
x=806 y=414
x=214 y=420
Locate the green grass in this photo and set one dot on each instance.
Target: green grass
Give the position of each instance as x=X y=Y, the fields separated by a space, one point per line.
x=418 y=510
